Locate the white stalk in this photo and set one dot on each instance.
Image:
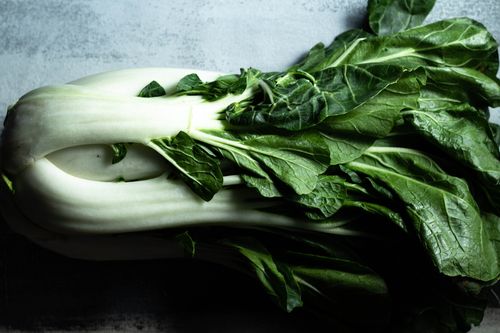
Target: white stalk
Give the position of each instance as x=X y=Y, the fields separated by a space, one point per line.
x=95 y=162
x=129 y=82
x=65 y=203
x=54 y=118
x=73 y=116
x=130 y=246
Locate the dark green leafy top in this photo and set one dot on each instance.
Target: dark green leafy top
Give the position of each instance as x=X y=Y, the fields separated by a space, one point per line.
x=390 y=16
x=382 y=134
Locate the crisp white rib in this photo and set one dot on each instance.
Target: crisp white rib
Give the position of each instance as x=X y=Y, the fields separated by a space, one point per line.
x=64 y=203
x=91 y=111
x=129 y=82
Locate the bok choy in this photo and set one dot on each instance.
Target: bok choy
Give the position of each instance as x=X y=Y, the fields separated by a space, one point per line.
x=362 y=183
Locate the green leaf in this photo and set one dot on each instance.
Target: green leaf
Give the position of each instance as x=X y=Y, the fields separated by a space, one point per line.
x=495 y=129
x=349 y=135
x=325 y=200
x=344 y=291
x=153 y=89
x=277 y=278
x=252 y=172
x=310 y=271
x=196 y=166
x=321 y=57
x=189 y=83
x=467 y=139
x=264 y=185
x=227 y=84
x=295 y=161
x=441 y=312
x=377 y=209
x=441 y=208
x=475 y=87
x=459 y=42
x=492 y=222
x=119 y=151
x=379 y=189
x=187 y=243
x=304 y=102
x=387 y=17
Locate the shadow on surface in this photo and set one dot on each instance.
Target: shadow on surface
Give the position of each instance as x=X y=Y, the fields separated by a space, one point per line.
x=40 y=290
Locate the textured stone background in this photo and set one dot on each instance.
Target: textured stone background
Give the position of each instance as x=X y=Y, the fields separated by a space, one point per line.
x=55 y=41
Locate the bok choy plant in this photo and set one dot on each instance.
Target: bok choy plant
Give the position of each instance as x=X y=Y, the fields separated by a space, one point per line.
x=362 y=183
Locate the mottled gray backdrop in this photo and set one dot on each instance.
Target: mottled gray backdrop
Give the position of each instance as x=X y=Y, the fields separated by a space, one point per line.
x=53 y=41
x=48 y=41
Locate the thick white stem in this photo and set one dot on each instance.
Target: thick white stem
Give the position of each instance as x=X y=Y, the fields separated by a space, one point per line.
x=129 y=82
x=75 y=205
x=50 y=119
x=72 y=116
x=130 y=246
x=95 y=162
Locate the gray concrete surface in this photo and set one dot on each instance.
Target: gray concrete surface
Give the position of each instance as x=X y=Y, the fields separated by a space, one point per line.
x=54 y=41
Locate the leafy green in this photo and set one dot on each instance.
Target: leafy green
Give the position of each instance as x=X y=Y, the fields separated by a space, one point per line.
x=457 y=43
x=320 y=56
x=466 y=137
x=384 y=136
x=199 y=169
x=296 y=102
x=353 y=289
x=119 y=151
x=495 y=128
x=296 y=161
x=278 y=279
x=492 y=222
x=326 y=198
x=153 y=89
x=387 y=17
x=227 y=84
x=302 y=270
x=442 y=211
x=478 y=88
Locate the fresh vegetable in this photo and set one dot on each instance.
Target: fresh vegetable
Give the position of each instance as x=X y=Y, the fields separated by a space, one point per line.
x=362 y=183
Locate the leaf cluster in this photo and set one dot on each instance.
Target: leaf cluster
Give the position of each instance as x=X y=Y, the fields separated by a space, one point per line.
x=383 y=133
